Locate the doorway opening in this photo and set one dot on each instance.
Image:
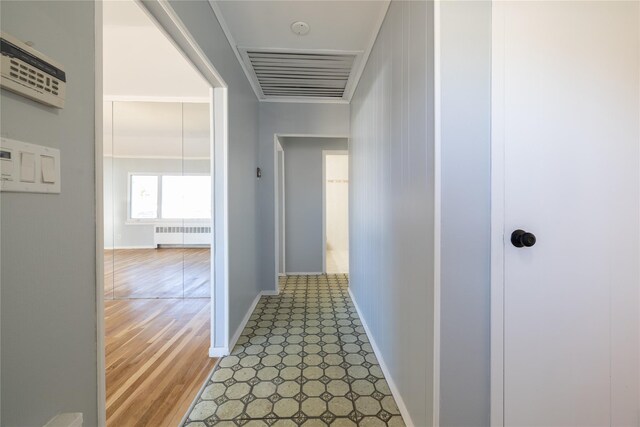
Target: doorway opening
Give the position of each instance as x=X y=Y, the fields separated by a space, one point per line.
x=311 y=205
x=336 y=211
x=162 y=214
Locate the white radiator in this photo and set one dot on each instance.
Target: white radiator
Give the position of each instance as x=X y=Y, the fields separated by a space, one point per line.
x=182 y=235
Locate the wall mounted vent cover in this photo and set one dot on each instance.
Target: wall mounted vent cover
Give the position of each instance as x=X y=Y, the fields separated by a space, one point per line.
x=300 y=74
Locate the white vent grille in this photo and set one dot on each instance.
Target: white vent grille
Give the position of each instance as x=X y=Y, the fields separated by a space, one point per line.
x=301 y=74
x=182 y=235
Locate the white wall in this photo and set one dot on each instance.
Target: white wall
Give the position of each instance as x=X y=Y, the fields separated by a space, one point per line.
x=48 y=347
x=466 y=214
x=169 y=130
x=288 y=118
x=244 y=238
x=392 y=202
x=149 y=60
x=303 y=201
x=337 y=201
x=148 y=137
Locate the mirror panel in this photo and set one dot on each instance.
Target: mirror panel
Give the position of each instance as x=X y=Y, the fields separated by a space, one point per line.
x=107 y=145
x=198 y=192
x=147 y=146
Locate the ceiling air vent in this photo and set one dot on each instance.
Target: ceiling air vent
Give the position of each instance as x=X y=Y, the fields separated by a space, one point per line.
x=301 y=74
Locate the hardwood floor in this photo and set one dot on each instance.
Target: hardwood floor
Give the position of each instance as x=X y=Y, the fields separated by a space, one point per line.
x=156 y=359
x=157 y=273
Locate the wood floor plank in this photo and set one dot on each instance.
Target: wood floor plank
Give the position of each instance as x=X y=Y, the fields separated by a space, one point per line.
x=157 y=359
x=157 y=273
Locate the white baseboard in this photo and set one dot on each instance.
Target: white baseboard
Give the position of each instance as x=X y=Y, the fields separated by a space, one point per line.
x=296 y=273
x=282 y=275
x=131 y=247
x=224 y=351
x=218 y=351
x=242 y=325
x=392 y=386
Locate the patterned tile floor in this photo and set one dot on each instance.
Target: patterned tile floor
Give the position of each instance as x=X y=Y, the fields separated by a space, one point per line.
x=303 y=359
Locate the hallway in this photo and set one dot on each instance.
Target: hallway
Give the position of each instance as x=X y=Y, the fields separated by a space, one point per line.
x=303 y=359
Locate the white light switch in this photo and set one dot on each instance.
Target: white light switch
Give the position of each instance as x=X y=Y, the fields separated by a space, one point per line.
x=48 y=166
x=27 y=167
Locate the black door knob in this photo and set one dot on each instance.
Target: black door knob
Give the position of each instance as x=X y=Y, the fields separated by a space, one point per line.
x=521 y=238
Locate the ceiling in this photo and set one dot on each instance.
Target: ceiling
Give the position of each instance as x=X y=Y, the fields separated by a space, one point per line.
x=134 y=50
x=302 y=67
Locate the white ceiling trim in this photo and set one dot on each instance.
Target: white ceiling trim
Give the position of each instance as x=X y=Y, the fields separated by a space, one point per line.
x=218 y=12
x=133 y=156
x=358 y=68
x=354 y=77
x=135 y=98
x=208 y=71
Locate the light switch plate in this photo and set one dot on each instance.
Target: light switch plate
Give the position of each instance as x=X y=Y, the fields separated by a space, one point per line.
x=28 y=168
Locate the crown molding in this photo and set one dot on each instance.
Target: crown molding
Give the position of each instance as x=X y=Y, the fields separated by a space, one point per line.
x=234 y=46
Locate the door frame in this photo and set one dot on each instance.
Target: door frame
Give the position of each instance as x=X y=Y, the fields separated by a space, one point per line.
x=326 y=153
x=277 y=146
x=279 y=202
x=169 y=23
x=497 y=213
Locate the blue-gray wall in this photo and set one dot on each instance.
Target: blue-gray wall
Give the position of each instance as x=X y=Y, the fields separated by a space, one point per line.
x=392 y=201
x=303 y=199
x=466 y=216
x=244 y=238
x=48 y=241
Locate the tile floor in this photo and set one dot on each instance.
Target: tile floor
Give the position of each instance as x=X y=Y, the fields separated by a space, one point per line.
x=303 y=359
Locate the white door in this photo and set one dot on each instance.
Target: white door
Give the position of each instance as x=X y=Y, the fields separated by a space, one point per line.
x=566 y=109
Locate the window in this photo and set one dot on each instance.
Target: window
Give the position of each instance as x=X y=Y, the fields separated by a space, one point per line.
x=144 y=197
x=170 y=197
x=186 y=197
